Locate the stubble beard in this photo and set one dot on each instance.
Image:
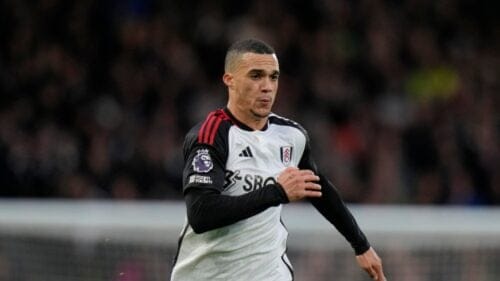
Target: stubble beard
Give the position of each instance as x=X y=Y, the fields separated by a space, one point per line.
x=259 y=116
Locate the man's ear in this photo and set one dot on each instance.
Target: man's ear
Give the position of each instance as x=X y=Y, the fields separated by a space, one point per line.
x=227 y=78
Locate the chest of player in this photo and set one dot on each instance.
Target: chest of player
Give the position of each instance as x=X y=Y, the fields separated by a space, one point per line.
x=256 y=158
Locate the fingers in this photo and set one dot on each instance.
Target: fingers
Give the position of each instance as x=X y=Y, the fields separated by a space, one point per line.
x=308 y=176
x=372 y=273
x=372 y=264
x=379 y=273
x=295 y=175
x=312 y=189
x=310 y=193
x=375 y=273
x=299 y=184
x=369 y=269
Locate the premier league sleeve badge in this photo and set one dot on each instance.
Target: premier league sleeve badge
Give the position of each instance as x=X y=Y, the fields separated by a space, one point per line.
x=202 y=162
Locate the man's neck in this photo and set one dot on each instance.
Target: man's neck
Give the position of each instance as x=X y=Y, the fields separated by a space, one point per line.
x=248 y=119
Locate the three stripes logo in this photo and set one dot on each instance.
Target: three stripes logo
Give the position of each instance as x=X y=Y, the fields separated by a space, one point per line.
x=246 y=152
x=208 y=130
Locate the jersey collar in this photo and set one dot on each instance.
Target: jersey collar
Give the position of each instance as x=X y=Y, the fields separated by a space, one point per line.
x=240 y=124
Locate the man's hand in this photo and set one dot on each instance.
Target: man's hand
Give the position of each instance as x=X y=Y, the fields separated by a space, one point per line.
x=372 y=264
x=299 y=184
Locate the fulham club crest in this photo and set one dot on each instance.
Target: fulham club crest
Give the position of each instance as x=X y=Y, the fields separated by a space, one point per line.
x=286 y=154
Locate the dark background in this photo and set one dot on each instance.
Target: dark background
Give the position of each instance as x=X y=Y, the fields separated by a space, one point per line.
x=401 y=98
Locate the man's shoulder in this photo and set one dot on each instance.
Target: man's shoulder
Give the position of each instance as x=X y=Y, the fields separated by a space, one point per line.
x=282 y=121
x=207 y=131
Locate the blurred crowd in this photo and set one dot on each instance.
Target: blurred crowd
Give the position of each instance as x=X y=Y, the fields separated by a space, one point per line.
x=400 y=98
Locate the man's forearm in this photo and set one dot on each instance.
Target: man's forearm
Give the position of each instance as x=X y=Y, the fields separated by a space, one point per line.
x=207 y=209
x=331 y=206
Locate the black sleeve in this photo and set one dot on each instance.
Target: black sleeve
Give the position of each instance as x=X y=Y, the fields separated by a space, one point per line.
x=332 y=207
x=207 y=209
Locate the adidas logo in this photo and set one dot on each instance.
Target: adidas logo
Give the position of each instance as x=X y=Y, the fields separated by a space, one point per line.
x=246 y=152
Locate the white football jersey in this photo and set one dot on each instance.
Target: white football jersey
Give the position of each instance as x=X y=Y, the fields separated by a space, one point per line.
x=250 y=249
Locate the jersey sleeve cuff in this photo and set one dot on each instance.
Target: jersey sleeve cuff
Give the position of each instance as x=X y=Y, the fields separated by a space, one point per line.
x=361 y=248
x=281 y=192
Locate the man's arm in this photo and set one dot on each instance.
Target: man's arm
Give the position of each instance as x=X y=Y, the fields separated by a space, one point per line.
x=332 y=207
x=203 y=183
x=207 y=209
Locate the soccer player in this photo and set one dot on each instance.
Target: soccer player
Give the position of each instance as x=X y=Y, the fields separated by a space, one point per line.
x=241 y=164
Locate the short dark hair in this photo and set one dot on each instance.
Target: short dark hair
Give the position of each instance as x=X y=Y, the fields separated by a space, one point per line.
x=240 y=47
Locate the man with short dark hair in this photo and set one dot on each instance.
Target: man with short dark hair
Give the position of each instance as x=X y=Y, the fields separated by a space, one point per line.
x=241 y=164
